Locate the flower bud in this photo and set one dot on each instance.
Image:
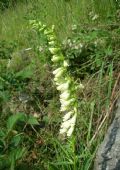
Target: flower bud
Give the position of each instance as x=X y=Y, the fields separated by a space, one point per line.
x=51 y=42
x=54 y=50
x=42 y=28
x=48 y=32
x=65 y=63
x=53 y=27
x=80 y=86
x=57 y=58
x=51 y=37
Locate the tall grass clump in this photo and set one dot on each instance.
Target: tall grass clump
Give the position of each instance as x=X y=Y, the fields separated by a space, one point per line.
x=63 y=14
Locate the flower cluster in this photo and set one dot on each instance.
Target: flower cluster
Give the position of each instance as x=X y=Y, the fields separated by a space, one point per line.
x=65 y=84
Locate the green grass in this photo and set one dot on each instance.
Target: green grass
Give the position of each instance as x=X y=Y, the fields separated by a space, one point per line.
x=61 y=13
x=12 y=23
x=30 y=73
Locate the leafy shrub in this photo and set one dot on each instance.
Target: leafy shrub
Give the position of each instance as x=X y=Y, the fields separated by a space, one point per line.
x=89 y=47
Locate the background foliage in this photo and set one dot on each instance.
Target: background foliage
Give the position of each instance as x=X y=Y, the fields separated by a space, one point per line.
x=89 y=34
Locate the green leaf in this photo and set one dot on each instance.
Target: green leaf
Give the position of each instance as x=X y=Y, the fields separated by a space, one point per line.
x=2 y=145
x=16 y=154
x=20 y=152
x=12 y=166
x=16 y=140
x=12 y=120
x=32 y=120
x=25 y=73
x=109 y=51
x=4 y=162
x=2 y=133
x=4 y=95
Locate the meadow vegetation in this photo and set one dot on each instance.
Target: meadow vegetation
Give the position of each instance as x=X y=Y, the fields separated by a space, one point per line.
x=89 y=36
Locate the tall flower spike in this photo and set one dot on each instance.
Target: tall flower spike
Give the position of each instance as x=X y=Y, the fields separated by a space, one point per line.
x=65 y=84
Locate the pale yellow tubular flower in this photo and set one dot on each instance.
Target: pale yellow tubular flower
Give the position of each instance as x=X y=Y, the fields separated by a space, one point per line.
x=57 y=58
x=65 y=95
x=72 y=125
x=70 y=131
x=65 y=125
x=68 y=115
x=57 y=70
x=67 y=102
x=59 y=74
x=63 y=131
x=58 y=81
x=64 y=86
x=73 y=119
x=68 y=126
x=63 y=108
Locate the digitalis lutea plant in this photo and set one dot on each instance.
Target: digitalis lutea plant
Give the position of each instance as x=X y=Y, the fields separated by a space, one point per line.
x=65 y=84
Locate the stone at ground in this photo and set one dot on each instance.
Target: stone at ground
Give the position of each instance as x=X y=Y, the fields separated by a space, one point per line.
x=108 y=154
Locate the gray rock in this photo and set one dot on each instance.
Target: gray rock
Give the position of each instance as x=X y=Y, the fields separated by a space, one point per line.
x=108 y=154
